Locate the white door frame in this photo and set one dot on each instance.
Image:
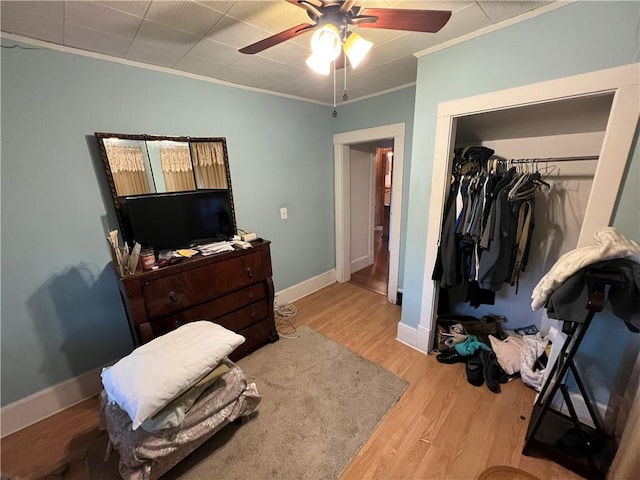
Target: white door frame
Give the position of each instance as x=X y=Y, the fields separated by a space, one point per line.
x=341 y=142
x=623 y=82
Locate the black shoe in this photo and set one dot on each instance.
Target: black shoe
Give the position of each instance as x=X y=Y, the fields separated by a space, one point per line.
x=491 y=371
x=451 y=356
x=474 y=369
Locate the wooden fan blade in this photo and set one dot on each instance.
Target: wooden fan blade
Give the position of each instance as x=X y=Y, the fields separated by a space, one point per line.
x=278 y=38
x=347 y=5
x=429 y=21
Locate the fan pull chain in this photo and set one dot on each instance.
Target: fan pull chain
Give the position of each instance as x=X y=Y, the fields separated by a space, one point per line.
x=345 y=97
x=335 y=112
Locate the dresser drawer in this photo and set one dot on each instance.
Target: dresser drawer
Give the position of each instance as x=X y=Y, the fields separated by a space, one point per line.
x=234 y=321
x=178 y=292
x=256 y=335
x=244 y=317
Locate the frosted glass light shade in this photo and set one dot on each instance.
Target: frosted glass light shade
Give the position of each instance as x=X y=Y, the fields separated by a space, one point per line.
x=356 y=48
x=319 y=64
x=325 y=43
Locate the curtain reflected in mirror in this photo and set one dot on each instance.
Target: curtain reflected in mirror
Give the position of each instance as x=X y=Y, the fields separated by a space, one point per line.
x=177 y=170
x=209 y=164
x=128 y=168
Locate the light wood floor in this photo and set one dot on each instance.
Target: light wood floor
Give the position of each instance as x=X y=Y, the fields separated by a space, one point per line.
x=375 y=277
x=442 y=427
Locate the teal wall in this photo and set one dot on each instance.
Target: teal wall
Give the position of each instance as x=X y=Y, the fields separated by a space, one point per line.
x=393 y=107
x=61 y=311
x=577 y=38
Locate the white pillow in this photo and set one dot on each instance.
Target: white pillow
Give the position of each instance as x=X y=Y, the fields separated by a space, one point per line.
x=144 y=381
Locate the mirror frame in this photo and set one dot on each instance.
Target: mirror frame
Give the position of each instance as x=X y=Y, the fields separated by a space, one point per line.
x=101 y=136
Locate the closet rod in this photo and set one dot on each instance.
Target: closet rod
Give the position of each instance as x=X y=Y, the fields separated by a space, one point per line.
x=553 y=159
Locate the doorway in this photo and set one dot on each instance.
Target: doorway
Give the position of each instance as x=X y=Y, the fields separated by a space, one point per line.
x=342 y=155
x=370 y=186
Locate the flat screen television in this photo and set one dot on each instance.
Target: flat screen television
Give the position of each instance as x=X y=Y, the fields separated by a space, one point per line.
x=178 y=220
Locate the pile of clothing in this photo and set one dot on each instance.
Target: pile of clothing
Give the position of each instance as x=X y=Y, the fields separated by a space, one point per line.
x=169 y=395
x=494 y=360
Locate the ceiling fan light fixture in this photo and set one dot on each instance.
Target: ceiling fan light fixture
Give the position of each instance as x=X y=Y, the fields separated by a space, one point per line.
x=356 y=48
x=319 y=64
x=325 y=43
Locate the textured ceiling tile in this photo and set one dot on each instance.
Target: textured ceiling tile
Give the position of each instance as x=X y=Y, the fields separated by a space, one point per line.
x=498 y=11
x=53 y=10
x=91 y=40
x=433 y=5
x=236 y=34
x=215 y=51
x=32 y=26
x=378 y=36
x=96 y=16
x=221 y=6
x=465 y=21
x=393 y=74
x=271 y=16
x=166 y=37
x=320 y=90
x=183 y=15
x=149 y=53
x=137 y=8
x=287 y=52
x=255 y=65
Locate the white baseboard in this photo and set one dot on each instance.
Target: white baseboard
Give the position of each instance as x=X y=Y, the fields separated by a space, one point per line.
x=54 y=399
x=305 y=288
x=47 y=402
x=411 y=337
x=360 y=263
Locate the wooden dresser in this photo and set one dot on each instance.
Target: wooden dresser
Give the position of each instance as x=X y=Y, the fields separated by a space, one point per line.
x=233 y=289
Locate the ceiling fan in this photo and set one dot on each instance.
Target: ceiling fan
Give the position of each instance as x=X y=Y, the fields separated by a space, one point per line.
x=343 y=14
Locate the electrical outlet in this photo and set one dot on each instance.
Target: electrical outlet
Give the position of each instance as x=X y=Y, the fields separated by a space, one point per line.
x=283 y=213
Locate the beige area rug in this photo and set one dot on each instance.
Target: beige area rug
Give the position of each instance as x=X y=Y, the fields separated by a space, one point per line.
x=320 y=403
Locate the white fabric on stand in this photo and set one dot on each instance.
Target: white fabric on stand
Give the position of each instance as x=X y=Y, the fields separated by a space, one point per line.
x=611 y=244
x=536 y=345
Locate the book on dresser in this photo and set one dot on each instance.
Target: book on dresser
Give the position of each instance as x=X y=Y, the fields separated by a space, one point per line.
x=233 y=289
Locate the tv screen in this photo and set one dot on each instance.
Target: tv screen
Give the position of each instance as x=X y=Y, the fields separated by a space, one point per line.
x=177 y=220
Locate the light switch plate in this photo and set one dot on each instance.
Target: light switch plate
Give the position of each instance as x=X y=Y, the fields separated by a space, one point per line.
x=283 y=213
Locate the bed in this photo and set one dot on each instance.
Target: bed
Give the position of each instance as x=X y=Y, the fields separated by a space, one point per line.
x=148 y=455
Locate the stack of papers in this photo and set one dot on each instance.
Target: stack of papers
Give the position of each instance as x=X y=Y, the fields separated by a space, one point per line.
x=218 y=247
x=215 y=247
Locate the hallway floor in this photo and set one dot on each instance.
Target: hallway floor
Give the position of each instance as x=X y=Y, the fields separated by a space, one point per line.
x=375 y=277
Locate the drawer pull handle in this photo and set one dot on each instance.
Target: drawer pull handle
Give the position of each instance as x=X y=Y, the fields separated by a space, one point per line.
x=173 y=298
x=249 y=272
x=253 y=313
x=177 y=323
x=250 y=295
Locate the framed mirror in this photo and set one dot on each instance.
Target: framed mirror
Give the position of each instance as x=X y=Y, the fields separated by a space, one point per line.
x=150 y=165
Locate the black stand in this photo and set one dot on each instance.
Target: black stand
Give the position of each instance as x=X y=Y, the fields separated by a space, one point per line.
x=585 y=450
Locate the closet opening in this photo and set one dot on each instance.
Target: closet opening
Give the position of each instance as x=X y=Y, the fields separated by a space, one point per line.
x=531 y=170
x=586 y=115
